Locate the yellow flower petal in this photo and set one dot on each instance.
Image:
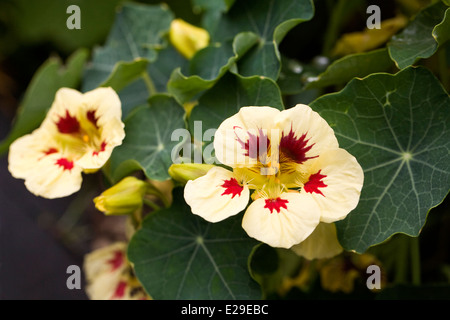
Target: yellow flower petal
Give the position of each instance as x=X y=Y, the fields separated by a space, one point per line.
x=281 y=222
x=186 y=38
x=339 y=189
x=321 y=243
x=216 y=195
x=241 y=138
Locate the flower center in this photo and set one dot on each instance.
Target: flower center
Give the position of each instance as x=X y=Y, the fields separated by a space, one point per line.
x=80 y=133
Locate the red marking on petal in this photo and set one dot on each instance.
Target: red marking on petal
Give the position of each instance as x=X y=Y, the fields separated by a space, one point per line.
x=92 y=118
x=120 y=290
x=276 y=204
x=102 y=148
x=232 y=187
x=50 y=151
x=68 y=124
x=255 y=145
x=295 y=148
x=314 y=183
x=117 y=260
x=64 y=163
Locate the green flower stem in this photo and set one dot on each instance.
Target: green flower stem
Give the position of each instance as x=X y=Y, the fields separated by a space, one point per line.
x=443 y=68
x=149 y=83
x=415 y=260
x=151 y=204
x=152 y=190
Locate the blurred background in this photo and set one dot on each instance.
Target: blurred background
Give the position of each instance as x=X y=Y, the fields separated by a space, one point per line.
x=40 y=238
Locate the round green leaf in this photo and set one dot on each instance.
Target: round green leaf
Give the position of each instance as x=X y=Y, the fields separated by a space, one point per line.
x=177 y=255
x=148 y=142
x=398 y=128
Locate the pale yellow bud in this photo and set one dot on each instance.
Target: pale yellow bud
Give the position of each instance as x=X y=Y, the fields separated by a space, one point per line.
x=184 y=172
x=123 y=198
x=186 y=38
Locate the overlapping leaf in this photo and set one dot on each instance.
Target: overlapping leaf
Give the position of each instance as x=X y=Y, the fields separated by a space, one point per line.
x=422 y=37
x=398 y=128
x=177 y=255
x=148 y=142
x=271 y=20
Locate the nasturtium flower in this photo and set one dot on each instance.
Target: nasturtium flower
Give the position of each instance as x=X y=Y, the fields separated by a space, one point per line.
x=78 y=135
x=187 y=38
x=290 y=163
x=110 y=276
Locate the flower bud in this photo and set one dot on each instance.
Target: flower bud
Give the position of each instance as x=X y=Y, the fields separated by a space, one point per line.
x=184 y=172
x=123 y=198
x=186 y=38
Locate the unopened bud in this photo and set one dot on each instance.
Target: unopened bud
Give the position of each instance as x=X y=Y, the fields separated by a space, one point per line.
x=123 y=198
x=183 y=172
x=186 y=38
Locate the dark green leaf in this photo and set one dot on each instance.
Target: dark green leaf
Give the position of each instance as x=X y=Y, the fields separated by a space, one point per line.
x=148 y=142
x=422 y=37
x=354 y=65
x=177 y=255
x=208 y=65
x=397 y=126
x=137 y=33
x=271 y=20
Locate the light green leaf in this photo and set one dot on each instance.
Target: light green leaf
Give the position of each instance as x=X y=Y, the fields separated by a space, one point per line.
x=39 y=96
x=124 y=73
x=354 y=65
x=148 y=144
x=398 y=128
x=271 y=20
x=422 y=37
x=208 y=65
x=178 y=255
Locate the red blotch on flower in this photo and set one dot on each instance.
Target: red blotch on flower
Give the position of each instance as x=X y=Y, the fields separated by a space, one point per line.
x=314 y=183
x=50 y=151
x=232 y=187
x=68 y=124
x=65 y=163
x=102 y=148
x=120 y=290
x=255 y=145
x=276 y=204
x=91 y=117
x=117 y=260
x=295 y=148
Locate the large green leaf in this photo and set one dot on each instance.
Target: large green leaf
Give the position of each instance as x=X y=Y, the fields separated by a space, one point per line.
x=177 y=255
x=39 y=96
x=137 y=33
x=422 y=37
x=148 y=142
x=271 y=20
x=398 y=128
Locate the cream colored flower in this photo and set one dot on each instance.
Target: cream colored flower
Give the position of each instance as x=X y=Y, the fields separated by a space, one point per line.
x=78 y=135
x=186 y=38
x=292 y=161
x=109 y=275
